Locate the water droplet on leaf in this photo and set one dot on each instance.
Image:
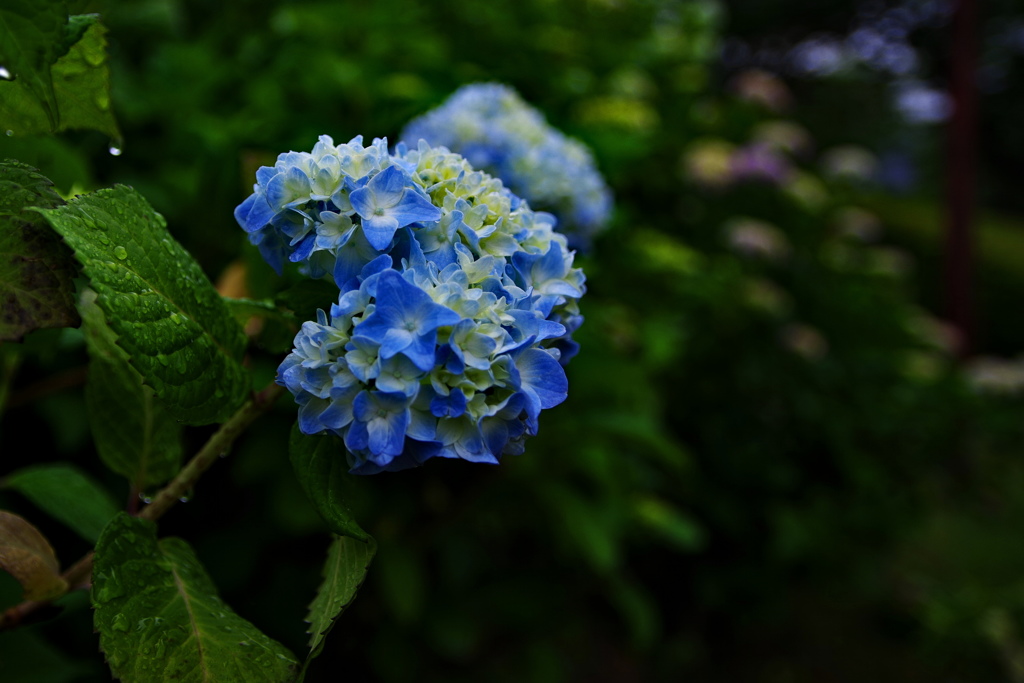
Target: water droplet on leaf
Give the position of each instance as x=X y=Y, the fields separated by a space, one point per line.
x=120 y=252
x=114 y=151
x=120 y=623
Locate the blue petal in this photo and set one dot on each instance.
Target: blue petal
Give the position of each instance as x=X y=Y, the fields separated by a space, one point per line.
x=264 y=174
x=388 y=184
x=452 y=405
x=254 y=213
x=310 y=410
x=395 y=341
x=339 y=413
x=386 y=436
x=415 y=208
x=380 y=230
x=288 y=188
x=421 y=351
x=542 y=379
x=304 y=248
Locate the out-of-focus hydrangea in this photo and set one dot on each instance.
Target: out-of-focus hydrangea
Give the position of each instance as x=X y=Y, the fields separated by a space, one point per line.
x=758 y=161
x=806 y=190
x=766 y=297
x=763 y=88
x=937 y=335
x=804 y=341
x=784 y=136
x=456 y=307
x=849 y=162
x=757 y=239
x=708 y=162
x=858 y=224
x=996 y=376
x=490 y=125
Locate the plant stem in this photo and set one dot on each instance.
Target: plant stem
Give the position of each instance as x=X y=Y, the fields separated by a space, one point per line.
x=79 y=575
x=218 y=445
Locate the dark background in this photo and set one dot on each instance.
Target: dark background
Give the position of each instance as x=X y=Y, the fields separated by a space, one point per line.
x=771 y=465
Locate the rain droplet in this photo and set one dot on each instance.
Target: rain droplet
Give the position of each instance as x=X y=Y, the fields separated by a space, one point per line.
x=103 y=239
x=10 y=133
x=184 y=499
x=114 y=151
x=120 y=623
x=120 y=252
x=168 y=247
x=112 y=266
x=108 y=592
x=5 y=74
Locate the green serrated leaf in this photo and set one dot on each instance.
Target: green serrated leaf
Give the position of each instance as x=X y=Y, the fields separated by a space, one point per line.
x=30 y=37
x=320 y=466
x=278 y=327
x=167 y=316
x=343 y=574
x=27 y=556
x=134 y=434
x=72 y=93
x=68 y=495
x=74 y=30
x=159 y=616
x=36 y=268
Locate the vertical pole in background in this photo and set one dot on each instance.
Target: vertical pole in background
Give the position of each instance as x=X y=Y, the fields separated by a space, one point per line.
x=960 y=173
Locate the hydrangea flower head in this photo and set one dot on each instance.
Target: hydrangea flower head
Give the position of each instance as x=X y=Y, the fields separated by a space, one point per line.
x=498 y=132
x=456 y=301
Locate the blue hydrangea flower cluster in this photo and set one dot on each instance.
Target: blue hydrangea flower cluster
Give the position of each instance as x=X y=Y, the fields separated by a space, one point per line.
x=490 y=125
x=456 y=306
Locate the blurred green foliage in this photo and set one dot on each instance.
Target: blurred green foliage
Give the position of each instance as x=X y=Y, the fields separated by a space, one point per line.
x=769 y=467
